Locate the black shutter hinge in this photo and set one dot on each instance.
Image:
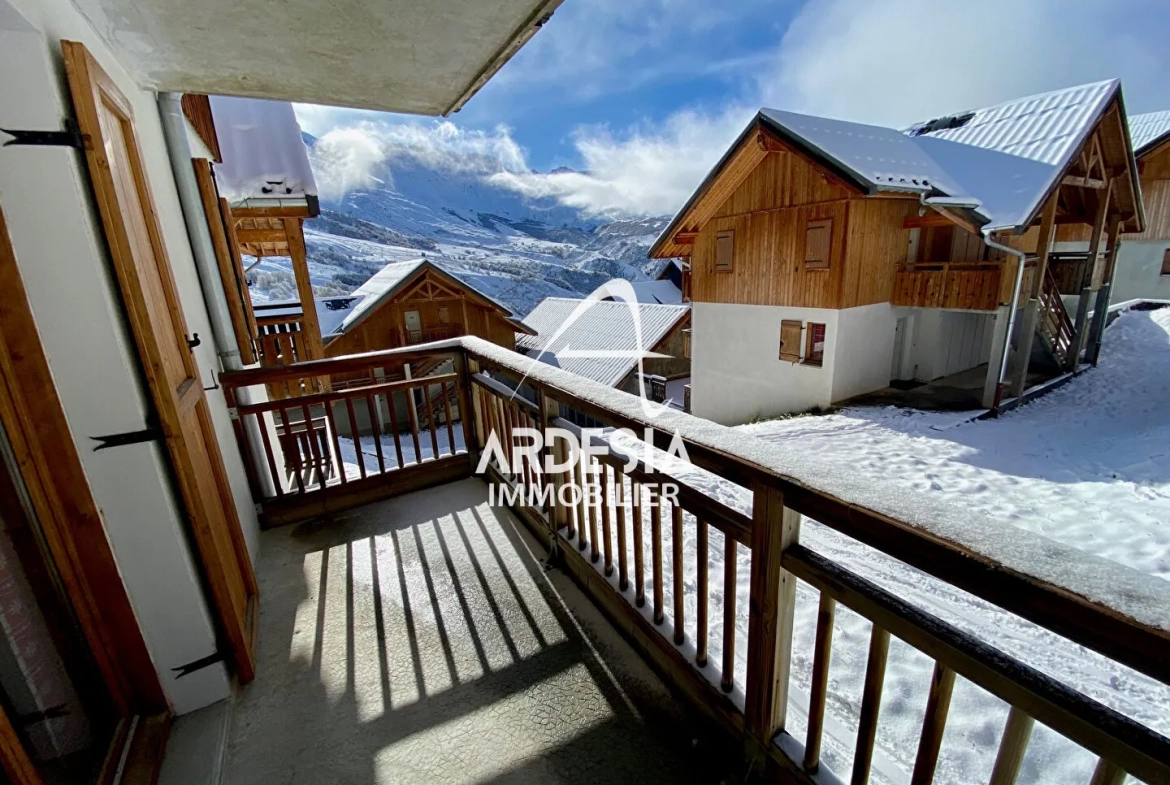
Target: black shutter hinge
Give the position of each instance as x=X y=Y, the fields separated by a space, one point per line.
x=197 y=665
x=70 y=137
x=151 y=433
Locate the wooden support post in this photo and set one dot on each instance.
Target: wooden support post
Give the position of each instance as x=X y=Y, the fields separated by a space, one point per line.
x=1080 y=330
x=1012 y=747
x=772 y=609
x=300 y=264
x=478 y=412
x=1027 y=325
x=1101 y=306
x=558 y=513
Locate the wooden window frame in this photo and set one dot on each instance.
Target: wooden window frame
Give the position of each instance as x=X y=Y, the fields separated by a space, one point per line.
x=811 y=226
x=785 y=325
x=1165 y=262
x=725 y=265
x=811 y=356
x=444 y=315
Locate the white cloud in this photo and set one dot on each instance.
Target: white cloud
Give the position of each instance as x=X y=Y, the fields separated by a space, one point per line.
x=880 y=61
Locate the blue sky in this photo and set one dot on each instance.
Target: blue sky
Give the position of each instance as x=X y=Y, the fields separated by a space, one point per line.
x=644 y=95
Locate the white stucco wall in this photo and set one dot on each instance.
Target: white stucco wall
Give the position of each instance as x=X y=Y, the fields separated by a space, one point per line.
x=1138 y=274
x=864 y=350
x=61 y=253
x=736 y=370
x=946 y=342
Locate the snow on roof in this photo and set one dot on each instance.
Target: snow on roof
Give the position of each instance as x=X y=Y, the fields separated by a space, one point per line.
x=264 y=156
x=1147 y=130
x=661 y=292
x=564 y=324
x=331 y=311
x=390 y=278
x=1048 y=127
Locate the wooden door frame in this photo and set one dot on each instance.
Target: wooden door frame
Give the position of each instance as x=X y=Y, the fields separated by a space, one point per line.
x=50 y=466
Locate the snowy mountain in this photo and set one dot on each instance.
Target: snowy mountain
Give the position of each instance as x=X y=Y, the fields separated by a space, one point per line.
x=511 y=246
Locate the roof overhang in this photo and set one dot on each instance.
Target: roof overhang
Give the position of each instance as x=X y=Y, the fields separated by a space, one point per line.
x=414 y=56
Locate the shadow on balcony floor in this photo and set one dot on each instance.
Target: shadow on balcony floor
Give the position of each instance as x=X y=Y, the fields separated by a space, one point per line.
x=417 y=640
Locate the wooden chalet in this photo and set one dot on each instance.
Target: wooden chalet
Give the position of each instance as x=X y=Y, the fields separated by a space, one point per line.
x=826 y=259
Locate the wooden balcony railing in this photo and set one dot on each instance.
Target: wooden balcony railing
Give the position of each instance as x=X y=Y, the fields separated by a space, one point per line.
x=969 y=286
x=646 y=558
x=429 y=334
x=1068 y=271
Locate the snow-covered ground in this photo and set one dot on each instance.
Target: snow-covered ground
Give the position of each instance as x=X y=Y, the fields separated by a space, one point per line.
x=1088 y=465
x=368 y=449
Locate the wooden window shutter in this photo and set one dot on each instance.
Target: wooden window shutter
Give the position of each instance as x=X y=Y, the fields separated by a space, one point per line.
x=790 y=340
x=818 y=235
x=814 y=353
x=1166 y=262
x=444 y=314
x=725 y=251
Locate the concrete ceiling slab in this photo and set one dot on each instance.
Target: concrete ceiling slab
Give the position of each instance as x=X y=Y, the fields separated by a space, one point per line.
x=416 y=56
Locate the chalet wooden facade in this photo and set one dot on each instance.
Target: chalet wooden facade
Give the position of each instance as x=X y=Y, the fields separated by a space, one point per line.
x=880 y=248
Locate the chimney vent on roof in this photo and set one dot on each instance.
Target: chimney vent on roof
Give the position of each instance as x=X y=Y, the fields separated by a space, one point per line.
x=942 y=123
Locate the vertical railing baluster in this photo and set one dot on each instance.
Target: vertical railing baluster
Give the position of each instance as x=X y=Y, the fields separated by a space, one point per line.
x=871 y=703
x=376 y=432
x=822 y=651
x=394 y=428
x=447 y=413
x=1107 y=773
x=583 y=505
x=606 y=535
x=730 y=566
x=772 y=609
x=1012 y=747
x=331 y=424
x=431 y=424
x=703 y=594
x=676 y=543
x=938 y=704
x=412 y=414
x=353 y=431
x=639 y=558
x=266 y=440
x=595 y=485
x=620 y=507
x=656 y=557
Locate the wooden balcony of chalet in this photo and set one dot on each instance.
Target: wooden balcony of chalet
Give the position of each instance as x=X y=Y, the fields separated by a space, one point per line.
x=409 y=631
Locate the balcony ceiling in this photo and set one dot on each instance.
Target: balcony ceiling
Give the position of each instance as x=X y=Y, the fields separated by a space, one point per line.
x=417 y=56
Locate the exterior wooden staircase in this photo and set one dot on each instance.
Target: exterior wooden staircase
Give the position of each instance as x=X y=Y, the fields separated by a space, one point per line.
x=1053 y=323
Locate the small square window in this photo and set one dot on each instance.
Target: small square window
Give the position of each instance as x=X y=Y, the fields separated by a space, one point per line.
x=725 y=251
x=444 y=314
x=814 y=352
x=818 y=237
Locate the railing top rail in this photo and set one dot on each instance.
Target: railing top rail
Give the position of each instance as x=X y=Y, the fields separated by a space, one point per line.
x=1117 y=611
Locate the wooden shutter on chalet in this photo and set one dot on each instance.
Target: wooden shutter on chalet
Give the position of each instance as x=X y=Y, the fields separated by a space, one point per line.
x=725 y=251
x=148 y=290
x=790 y=340
x=818 y=235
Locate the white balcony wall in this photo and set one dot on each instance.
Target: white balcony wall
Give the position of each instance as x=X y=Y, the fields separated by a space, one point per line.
x=62 y=256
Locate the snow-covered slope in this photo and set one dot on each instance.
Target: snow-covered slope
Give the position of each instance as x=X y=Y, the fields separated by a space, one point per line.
x=513 y=247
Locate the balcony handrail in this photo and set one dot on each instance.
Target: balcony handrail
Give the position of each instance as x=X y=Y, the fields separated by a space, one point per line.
x=1020 y=571
x=961 y=548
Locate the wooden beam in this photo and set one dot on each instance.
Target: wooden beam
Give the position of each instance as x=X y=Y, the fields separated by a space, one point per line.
x=300 y=265
x=769 y=143
x=685 y=238
x=1083 y=182
x=1044 y=243
x=1080 y=330
x=257 y=236
x=289 y=211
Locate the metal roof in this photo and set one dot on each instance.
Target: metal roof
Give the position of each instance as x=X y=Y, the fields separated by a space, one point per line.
x=331 y=311
x=1047 y=127
x=1148 y=130
x=384 y=283
x=1004 y=158
x=606 y=331
x=662 y=292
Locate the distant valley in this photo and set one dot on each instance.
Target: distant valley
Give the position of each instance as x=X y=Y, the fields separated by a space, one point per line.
x=509 y=246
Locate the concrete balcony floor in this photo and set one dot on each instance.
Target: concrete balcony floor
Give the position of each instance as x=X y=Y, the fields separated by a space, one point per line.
x=418 y=640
